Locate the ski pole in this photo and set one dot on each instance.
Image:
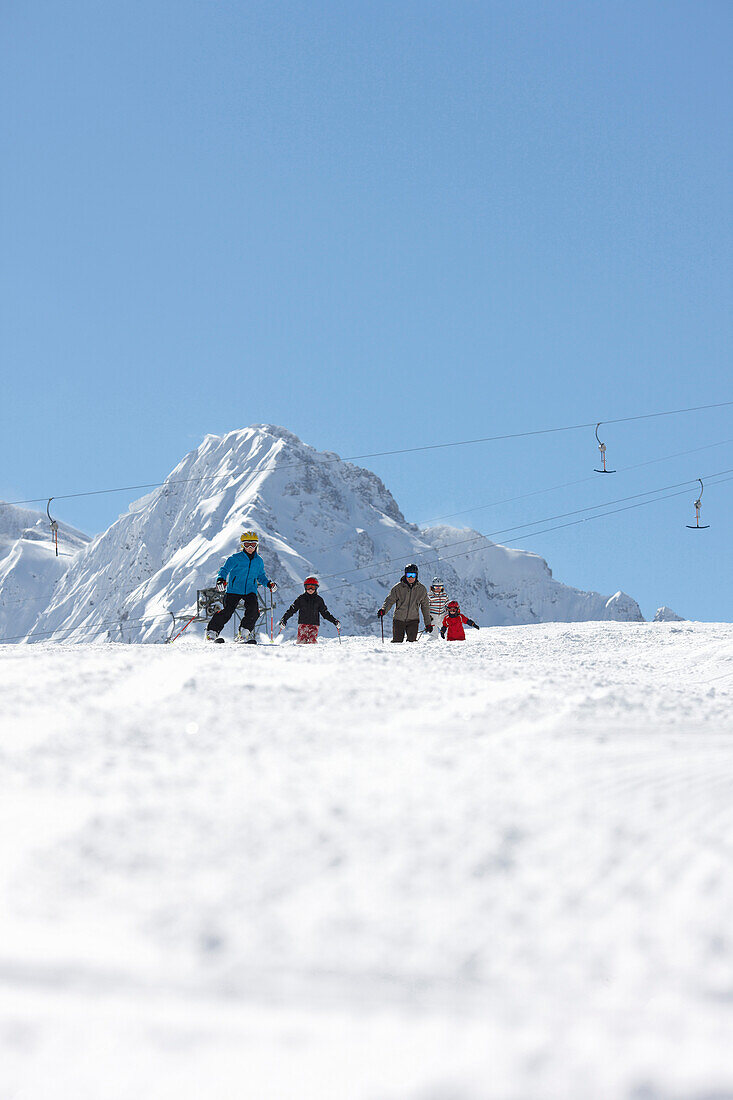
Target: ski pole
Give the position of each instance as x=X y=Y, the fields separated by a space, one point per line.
x=381 y=619
x=338 y=631
x=181 y=631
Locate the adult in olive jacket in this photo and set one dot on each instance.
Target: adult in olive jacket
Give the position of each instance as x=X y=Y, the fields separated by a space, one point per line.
x=408 y=597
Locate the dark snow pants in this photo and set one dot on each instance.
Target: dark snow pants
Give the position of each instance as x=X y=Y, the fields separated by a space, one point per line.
x=251 y=612
x=400 y=628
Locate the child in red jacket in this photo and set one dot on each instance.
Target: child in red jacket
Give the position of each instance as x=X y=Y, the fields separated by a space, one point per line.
x=453 y=623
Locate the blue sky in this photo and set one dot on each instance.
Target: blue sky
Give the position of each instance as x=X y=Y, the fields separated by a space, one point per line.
x=381 y=225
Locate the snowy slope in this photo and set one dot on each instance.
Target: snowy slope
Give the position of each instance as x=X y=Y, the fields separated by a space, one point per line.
x=498 y=870
x=314 y=513
x=29 y=567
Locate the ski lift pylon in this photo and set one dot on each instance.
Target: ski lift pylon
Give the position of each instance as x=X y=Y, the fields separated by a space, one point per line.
x=54 y=526
x=602 y=449
x=697 y=526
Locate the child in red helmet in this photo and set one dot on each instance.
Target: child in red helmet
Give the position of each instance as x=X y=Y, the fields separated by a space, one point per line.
x=452 y=627
x=310 y=607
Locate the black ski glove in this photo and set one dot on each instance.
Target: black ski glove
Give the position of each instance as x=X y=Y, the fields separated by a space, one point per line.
x=473 y=624
x=221 y=585
x=272 y=586
x=380 y=613
x=429 y=628
x=337 y=624
x=442 y=633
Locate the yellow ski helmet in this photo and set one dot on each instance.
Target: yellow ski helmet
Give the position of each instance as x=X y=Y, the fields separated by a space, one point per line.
x=249 y=536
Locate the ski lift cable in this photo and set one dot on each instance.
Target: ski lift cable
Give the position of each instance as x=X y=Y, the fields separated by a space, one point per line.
x=612 y=512
x=532 y=534
x=547 y=519
x=580 y=481
x=101 y=627
x=540 y=431
x=372 y=454
x=534 y=493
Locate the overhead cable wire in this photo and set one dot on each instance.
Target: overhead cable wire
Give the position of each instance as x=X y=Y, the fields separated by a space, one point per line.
x=521 y=526
x=543 y=431
x=531 y=534
x=570 y=484
x=421 y=524
x=372 y=454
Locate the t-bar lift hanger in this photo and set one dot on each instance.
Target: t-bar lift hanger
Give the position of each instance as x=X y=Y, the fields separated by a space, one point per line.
x=602 y=449
x=697 y=526
x=54 y=527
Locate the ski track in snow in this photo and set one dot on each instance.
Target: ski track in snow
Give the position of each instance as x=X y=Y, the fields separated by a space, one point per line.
x=501 y=870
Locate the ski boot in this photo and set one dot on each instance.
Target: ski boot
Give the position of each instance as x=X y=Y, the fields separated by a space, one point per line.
x=213 y=636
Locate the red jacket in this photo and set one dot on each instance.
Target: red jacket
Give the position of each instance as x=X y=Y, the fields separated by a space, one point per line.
x=454 y=626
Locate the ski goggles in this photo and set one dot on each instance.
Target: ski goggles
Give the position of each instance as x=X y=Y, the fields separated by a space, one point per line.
x=250 y=544
x=311 y=587
x=411 y=576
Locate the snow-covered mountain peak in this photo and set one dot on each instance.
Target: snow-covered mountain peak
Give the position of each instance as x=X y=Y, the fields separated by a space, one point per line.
x=667 y=615
x=313 y=512
x=239 y=465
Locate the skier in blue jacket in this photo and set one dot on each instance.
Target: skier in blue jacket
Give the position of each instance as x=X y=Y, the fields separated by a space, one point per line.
x=237 y=580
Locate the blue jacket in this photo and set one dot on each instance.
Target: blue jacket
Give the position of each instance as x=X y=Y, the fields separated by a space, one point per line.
x=243 y=573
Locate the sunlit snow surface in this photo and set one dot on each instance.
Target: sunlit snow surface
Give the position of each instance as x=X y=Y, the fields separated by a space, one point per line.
x=501 y=870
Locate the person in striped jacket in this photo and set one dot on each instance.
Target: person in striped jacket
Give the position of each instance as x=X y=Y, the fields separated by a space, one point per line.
x=438 y=599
